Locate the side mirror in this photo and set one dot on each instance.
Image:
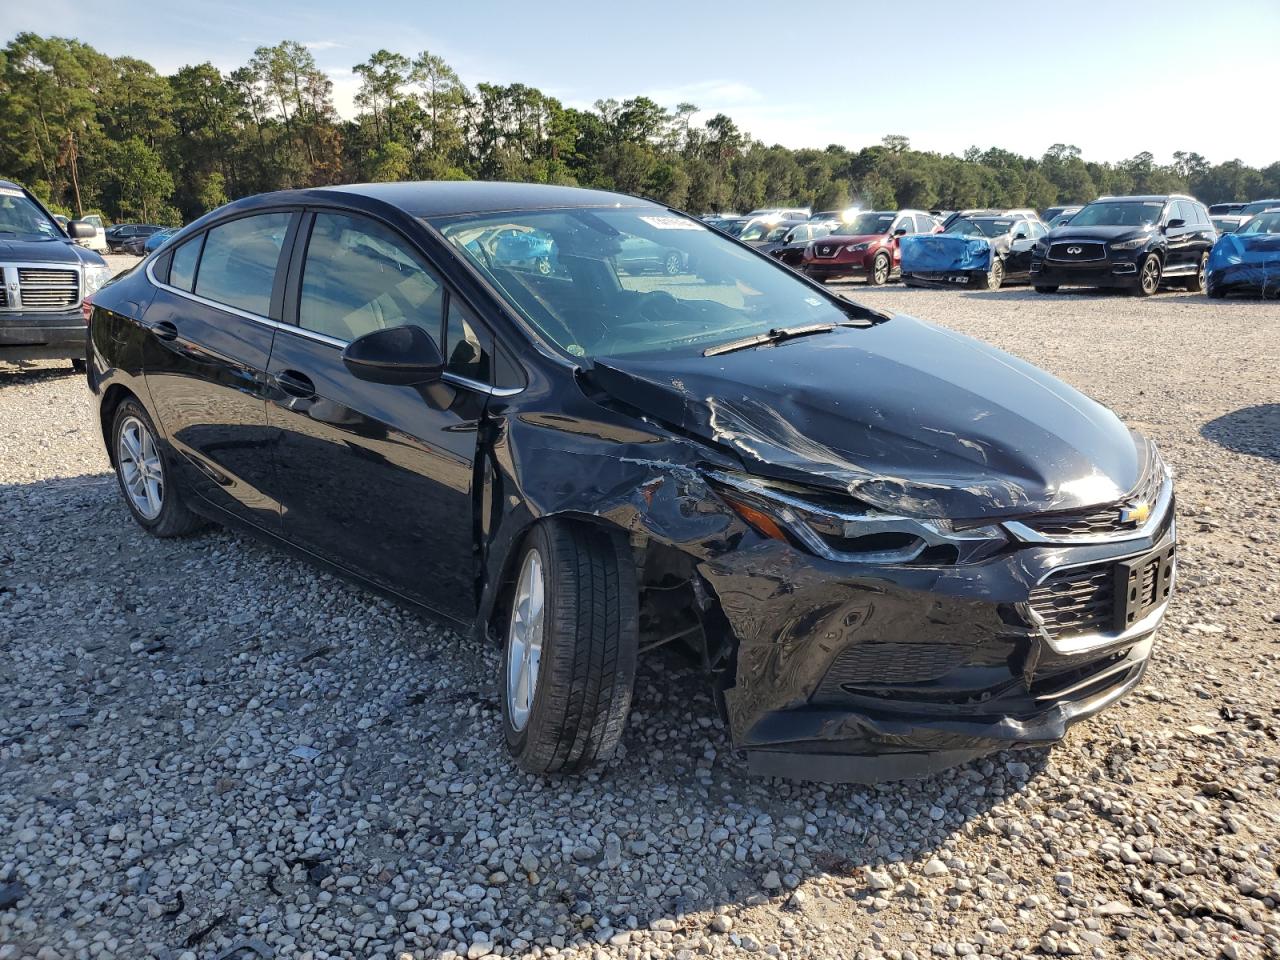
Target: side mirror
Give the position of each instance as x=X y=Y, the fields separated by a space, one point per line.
x=1175 y=222
x=80 y=229
x=402 y=356
x=900 y=232
x=1020 y=235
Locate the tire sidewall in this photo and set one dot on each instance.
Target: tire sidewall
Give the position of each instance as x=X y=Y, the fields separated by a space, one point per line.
x=132 y=408
x=517 y=739
x=880 y=258
x=1139 y=288
x=996 y=279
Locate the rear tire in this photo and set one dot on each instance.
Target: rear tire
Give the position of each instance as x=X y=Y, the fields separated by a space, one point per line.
x=880 y=269
x=145 y=477
x=1215 y=292
x=1046 y=289
x=1148 y=276
x=568 y=666
x=1196 y=282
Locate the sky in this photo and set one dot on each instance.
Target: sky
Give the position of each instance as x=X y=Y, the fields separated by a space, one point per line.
x=1113 y=78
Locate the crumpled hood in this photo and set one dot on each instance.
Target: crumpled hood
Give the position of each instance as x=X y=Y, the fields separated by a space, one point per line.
x=42 y=251
x=944 y=251
x=904 y=415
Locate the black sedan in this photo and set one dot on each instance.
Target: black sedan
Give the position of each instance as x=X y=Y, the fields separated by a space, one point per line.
x=123 y=234
x=892 y=548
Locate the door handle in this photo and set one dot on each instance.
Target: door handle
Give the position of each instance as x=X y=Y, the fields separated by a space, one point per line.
x=296 y=384
x=164 y=330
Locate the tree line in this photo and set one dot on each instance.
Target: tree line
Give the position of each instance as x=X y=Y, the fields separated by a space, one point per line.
x=91 y=133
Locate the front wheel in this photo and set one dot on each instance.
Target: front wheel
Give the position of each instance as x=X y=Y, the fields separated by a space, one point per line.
x=995 y=276
x=879 y=275
x=1196 y=282
x=145 y=477
x=672 y=264
x=1148 y=276
x=569 y=656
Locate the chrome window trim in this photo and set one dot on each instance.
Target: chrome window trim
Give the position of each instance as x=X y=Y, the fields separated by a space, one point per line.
x=324 y=338
x=1159 y=510
x=16 y=285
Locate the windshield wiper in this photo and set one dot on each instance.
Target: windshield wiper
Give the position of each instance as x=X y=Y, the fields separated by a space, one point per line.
x=776 y=335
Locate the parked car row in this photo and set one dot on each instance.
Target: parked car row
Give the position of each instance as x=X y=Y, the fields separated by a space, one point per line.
x=1138 y=243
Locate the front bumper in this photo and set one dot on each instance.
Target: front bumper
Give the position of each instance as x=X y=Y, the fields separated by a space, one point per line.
x=1259 y=279
x=870 y=674
x=1092 y=273
x=42 y=336
x=946 y=278
x=834 y=269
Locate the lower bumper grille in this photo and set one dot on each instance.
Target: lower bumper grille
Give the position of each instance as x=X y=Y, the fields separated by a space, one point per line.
x=872 y=665
x=1103 y=598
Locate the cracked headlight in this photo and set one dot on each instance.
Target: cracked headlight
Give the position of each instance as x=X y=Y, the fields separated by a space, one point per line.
x=842 y=529
x=95 y=275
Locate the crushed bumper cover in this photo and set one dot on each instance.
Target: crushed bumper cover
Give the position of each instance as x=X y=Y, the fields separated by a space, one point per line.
x=895 y=674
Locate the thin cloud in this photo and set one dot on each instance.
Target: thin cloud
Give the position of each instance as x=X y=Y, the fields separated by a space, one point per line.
x=323 y=44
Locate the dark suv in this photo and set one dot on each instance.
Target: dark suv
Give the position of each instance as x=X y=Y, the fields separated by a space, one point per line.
x=1131 y=242
x=44 y=280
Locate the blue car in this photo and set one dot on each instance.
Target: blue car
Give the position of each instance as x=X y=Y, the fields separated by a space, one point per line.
x=1247 y=261
x=152 y=242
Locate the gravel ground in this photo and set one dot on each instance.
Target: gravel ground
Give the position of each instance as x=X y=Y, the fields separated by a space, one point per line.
x=209 y=750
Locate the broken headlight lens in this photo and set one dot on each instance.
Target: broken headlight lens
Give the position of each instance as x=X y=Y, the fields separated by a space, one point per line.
x=842 y=529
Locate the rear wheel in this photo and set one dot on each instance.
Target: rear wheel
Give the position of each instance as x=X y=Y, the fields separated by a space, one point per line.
x=1196 y=282
x=1046 y=289
x=569 y=656
x=1148 y=276
x=144 y=476
x=879 y=275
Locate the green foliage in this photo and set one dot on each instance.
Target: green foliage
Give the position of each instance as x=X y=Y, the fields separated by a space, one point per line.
x=86 y=131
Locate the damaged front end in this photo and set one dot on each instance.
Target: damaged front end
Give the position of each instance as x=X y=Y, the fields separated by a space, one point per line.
x=878 y=588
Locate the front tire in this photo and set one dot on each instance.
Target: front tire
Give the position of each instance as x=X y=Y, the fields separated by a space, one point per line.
x=569 y=655
x=1196 y=282
x=1148 y=276
x=144 y=476
x=879 y=275
x=995 y=277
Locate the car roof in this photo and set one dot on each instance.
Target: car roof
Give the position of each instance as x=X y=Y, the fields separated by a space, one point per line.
x=433 y=198
x=11 y=185
x=1161 y=197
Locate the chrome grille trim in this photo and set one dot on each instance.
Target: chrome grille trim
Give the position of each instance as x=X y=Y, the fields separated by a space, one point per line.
x=37 y=287
x=1027 y=532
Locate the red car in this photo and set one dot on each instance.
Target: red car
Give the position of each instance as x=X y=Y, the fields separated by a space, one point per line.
x=865 y=246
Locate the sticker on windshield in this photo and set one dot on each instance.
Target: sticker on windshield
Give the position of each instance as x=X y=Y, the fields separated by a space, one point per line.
x=10 y=192
x=813 y=301
x=672 y=223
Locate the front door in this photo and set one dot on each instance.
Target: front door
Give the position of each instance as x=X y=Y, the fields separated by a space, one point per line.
x=205 y=354
x=375 y=478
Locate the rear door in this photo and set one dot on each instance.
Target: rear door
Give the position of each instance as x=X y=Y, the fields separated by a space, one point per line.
x=208 y=338
x=375 y=478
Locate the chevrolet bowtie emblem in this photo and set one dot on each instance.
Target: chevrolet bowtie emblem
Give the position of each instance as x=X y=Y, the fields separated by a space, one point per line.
x=1135 y=512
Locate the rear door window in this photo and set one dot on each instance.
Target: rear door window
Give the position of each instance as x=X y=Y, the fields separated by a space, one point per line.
x=238 y=265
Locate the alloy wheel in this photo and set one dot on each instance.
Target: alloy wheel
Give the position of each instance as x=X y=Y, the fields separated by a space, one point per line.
x=673 y=264
x=140 y=467
x=882 y=270
x=524 y=642
x=1150 y=275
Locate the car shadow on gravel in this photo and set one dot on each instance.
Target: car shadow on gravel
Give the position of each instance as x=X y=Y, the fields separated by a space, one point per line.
x=209 y=681
x=13 y=375
x=1253 y=430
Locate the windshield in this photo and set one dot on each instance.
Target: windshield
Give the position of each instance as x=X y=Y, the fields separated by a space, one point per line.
x=582 y=278
x=765 y=231
x=865 y=223
x=1263 y=223
x=980 y=228
x=1119 y=213
x=20 y=217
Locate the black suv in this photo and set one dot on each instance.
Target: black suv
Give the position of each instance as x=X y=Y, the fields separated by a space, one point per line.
x=44 y=278
x=1131 y=242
